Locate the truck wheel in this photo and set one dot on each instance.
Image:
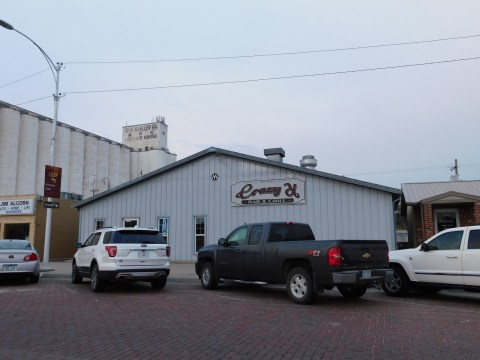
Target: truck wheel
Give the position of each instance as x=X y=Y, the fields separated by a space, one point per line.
x=300 y=286
x=96 y=284
x=352 y=292
x=399 y=285
x=76 y=277
x=207 y=276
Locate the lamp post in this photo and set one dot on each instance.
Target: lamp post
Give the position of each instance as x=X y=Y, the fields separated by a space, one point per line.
x=55 y=69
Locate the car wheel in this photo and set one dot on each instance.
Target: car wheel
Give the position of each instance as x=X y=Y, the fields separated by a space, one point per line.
x=76 y=277
x=96 y=284
x=207 y=276
x=300 y=286
x=34 y=278
x=352 y=292
x=159 y=283
x=399 y=285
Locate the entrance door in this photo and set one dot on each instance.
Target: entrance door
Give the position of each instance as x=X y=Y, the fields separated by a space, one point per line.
x=17 y=231
x=446 y=219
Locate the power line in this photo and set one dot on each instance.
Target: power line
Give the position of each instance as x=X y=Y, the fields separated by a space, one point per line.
x=30 y=101
x=274 y=78
x=278 y=54
x=261 y=79
x=438 y=167
x=261 y=55
x=24 y=78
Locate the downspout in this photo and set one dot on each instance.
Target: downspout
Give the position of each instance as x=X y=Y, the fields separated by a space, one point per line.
x=395 y=243
x=423 y=222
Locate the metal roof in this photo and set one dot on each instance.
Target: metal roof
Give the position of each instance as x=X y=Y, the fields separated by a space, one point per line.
x=213 y=150
x=417 y=192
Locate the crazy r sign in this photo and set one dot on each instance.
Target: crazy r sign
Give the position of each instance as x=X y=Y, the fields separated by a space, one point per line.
x=268 y=192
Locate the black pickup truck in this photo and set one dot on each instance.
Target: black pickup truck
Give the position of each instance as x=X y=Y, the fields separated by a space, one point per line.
x=287 y=253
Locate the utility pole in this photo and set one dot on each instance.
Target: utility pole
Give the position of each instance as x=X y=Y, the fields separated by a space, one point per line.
x=55 y=69
x=455 y=177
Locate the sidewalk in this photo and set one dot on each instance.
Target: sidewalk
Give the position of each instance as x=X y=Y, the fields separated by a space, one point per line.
x=179 y=271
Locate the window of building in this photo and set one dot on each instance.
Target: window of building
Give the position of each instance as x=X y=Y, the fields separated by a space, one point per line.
x=99 y=223
x=199 y=232
x=446 y=219
x=130 y=222
x=163 y=227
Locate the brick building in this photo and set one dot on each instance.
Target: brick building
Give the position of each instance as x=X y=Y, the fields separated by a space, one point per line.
x=432 y=207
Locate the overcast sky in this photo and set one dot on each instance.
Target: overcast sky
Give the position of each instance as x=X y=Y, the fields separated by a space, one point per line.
x=401 y=123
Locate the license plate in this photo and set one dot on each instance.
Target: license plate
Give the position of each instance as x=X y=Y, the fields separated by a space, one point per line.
x=366 y=274
x=9 y=267
x=143 y=254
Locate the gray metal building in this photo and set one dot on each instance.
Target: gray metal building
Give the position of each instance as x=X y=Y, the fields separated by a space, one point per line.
x=199 y=199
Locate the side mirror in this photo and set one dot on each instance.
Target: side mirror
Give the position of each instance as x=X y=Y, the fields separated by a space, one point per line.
x=222 y=242
x=424 y=247
x=78 y=245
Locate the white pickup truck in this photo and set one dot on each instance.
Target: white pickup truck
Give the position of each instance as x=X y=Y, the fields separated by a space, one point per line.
x=448 y=260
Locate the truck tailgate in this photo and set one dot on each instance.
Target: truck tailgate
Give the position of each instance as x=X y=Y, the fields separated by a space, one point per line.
x=364 y=254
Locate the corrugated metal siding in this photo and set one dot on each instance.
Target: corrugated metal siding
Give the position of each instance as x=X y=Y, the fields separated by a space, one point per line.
x=334 y=209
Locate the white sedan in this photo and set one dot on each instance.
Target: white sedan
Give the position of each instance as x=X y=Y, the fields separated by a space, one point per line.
x=19 y=258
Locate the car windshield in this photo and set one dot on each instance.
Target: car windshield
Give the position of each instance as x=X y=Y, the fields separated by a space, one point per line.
x=15 y=245
x=137 y=237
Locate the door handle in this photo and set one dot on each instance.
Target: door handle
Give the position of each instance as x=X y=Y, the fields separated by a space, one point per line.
x=452 y=257
x=239 y=251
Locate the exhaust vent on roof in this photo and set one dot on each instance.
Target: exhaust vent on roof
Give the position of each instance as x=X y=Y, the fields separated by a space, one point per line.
x=275 y=154
x=309 y=162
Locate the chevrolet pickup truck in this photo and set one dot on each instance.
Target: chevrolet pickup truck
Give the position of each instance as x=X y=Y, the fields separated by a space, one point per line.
x=287 y=253
x=448 y=260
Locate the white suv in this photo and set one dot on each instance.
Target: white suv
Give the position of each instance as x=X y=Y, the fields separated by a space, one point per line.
x=135 y=254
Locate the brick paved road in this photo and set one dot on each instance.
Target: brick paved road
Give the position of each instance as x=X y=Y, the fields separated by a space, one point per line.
x=57 y=320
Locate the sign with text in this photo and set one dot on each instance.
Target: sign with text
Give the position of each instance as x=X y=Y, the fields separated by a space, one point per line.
x=268 y=192
x=51 y=204
x=53 y=181
x=17 y=206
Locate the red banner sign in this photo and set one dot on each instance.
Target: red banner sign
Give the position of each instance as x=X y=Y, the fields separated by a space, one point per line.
x=53 y=181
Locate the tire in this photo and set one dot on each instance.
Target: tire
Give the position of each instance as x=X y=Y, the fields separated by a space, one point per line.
x=300 y=286
x=352 y=292
x=34 y=279
x=399 y=285
x=207 y=276
x=159 y=284
x=96 y=284
x=76 y=277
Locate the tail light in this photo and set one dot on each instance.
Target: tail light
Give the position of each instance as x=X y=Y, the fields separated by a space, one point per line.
x=31 y=257
x=111 y=250
x=335 y=256
x=167 y=251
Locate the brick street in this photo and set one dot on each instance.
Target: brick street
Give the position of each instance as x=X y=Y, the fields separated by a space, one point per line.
x=55 y=319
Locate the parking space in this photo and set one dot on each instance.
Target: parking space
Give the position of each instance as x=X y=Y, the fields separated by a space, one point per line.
x=55 y=319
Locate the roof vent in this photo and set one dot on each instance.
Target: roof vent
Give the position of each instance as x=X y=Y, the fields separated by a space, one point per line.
x=308 y=161
x=275 y=154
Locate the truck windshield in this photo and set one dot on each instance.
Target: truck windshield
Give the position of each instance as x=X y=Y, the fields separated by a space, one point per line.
x=290 y=232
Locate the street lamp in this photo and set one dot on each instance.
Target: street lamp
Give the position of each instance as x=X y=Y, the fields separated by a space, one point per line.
x=55 y=69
